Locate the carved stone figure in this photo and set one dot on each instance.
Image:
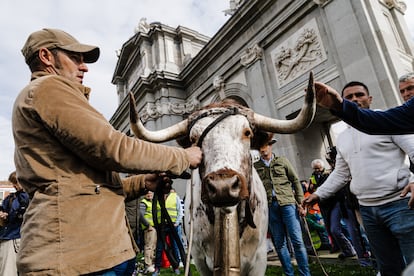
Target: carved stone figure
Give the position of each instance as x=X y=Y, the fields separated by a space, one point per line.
x=143 y=26
x=251 y=55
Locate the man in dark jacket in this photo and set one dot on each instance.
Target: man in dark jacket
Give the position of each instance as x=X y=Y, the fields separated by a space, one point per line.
x=12 y=210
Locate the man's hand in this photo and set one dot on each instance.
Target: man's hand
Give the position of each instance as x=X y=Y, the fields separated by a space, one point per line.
x=153 y=181
x=194 y=155
x=310 y=201
x=409 y=189
x=302 y=211
x=327 y=97
x=3 y=215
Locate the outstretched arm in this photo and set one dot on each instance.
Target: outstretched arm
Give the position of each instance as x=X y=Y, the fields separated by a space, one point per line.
x=328 y=97
x=397 y=120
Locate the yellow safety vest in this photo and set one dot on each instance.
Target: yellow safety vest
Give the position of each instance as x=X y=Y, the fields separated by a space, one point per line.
x=148 y=211
x=171 y=206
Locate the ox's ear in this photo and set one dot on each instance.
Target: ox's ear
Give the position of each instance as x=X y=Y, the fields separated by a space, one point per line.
x=184 y=141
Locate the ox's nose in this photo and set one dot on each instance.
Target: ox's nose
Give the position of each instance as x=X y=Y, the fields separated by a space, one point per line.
x=223 y=188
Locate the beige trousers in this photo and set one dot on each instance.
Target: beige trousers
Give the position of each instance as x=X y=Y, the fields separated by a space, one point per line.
x=150 y=239
x=8 y=253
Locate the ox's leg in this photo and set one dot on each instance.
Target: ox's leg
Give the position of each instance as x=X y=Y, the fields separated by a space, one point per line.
x=257 y=265
x=202 y=266
x=202 y=250
x=253 y=243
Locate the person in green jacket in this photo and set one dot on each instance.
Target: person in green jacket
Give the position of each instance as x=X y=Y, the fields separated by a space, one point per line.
x=284 y=194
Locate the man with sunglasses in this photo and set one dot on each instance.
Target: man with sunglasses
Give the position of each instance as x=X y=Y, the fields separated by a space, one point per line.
x=66 y=156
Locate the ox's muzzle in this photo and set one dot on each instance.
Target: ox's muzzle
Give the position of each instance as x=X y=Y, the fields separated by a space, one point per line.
x=224 y=188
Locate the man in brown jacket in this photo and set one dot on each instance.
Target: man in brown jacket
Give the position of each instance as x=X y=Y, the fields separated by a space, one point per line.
x=65 y=155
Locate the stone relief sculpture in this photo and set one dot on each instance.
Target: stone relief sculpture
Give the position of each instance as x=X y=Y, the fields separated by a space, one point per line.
x=398 y=4
x=183 y=108
x=218 y=84
x=251 y=54
x=154 y=111
x=151 y=111
x=287 y=59
x=297 y=55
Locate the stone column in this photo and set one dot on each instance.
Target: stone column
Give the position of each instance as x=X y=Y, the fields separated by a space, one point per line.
x=255 y=76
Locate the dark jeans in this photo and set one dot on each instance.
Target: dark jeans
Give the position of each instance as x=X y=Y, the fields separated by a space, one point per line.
x=390 y=230
x=161 y=246
x=287 y=217
x=336 y=229
x=125 y=268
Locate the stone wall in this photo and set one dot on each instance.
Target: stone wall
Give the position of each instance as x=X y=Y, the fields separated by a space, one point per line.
x=262 y=57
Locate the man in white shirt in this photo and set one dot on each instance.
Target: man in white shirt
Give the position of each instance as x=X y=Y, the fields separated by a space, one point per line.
x=379 y=175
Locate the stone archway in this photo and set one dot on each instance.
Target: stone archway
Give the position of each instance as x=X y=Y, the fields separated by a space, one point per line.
x=237 y=92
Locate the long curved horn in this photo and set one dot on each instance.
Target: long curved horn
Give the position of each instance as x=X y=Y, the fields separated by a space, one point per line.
x=163 y=135
x=301 y=121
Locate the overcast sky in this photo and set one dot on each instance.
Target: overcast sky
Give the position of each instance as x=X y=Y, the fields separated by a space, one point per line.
x=105 y=23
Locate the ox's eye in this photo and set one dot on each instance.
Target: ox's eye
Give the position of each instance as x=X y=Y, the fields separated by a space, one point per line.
x=248 y=133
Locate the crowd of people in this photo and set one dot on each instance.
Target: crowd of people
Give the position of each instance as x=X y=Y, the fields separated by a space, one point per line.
x=68 y=158
x=378 y=171
x=161 y=242
x=293 y=214
x=362 y=205
x=381 y=179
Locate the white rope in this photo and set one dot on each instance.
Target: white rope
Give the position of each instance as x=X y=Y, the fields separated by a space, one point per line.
x=313 y=247
x=190 y=240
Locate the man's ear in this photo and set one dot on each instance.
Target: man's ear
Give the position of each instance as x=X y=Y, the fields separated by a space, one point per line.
x=46 y=56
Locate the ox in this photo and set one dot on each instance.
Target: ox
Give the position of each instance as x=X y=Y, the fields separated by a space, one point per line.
x=228 y=201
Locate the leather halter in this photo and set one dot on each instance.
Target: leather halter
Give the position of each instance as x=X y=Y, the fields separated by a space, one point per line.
x=230 y=111
x=244 y=204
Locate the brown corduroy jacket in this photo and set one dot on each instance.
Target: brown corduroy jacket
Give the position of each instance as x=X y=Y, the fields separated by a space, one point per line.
x=65 y=156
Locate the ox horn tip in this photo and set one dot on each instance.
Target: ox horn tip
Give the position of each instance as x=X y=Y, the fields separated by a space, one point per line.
x=133 y=116
x=310 y=91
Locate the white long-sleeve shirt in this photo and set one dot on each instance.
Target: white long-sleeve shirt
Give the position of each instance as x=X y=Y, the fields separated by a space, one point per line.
x=376 y=164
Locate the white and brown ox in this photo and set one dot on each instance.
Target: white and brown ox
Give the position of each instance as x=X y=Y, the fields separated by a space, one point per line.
x=228 y=201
